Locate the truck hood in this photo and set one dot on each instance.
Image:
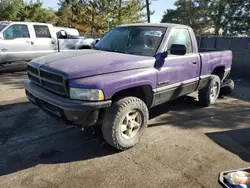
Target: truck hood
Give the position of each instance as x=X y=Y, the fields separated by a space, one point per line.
x=84 y=63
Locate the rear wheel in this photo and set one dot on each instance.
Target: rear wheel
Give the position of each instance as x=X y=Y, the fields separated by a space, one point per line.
x=209 y=94
x=125 y=123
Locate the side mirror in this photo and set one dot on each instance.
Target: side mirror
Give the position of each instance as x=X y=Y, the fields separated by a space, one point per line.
x=160 y=59
x=178 y=49
x=62 y=34
x=164 y=55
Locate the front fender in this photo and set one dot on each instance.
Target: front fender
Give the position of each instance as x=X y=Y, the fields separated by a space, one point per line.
x=112 y=83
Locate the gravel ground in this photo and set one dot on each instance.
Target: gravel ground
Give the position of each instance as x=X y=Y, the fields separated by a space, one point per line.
x=11 y=86
x=185 y=145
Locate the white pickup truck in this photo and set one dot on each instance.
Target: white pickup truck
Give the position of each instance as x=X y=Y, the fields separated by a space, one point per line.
x=21 y=42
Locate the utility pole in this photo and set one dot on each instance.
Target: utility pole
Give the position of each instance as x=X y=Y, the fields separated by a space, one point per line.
x=119 y=11
x=148 y=10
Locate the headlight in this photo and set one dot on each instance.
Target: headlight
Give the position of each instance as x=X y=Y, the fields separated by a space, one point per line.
x=86 y=94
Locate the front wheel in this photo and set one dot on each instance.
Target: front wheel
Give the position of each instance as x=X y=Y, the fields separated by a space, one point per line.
x=125 y=123
x=209 y=94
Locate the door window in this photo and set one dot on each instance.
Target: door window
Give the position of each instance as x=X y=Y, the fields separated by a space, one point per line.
x=181 y=36
x=16 y=31
x=42 y=31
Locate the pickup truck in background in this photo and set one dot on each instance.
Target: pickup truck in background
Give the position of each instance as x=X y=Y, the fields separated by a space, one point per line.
x=21 y=42
x=131 y=69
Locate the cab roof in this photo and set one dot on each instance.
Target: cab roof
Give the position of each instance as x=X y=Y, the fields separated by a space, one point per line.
x=17 y=22
x=166 y=25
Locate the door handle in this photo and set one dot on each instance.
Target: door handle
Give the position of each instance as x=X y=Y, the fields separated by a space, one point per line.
x=194 y=63
x=4 y=49
x=52 y=42
x=31 y=42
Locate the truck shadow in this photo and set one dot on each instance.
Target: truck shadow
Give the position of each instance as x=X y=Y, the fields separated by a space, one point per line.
x=235 y=141
x=29 y=137
x=61 y=147
x=179 y=104
x=187 y=113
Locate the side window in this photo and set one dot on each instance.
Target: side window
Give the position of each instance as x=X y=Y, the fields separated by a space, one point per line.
x=16 y=31
x=42 y=31
x=181 y=36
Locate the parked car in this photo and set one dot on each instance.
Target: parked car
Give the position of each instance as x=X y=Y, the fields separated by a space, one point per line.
x=21 y=42
x=131 y=69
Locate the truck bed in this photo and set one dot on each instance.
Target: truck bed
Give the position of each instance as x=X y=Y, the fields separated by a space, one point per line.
x=207 y=50
x=212 y=59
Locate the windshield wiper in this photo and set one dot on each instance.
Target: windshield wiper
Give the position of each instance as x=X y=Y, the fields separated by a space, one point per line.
x=115 y=50
x=119 y=51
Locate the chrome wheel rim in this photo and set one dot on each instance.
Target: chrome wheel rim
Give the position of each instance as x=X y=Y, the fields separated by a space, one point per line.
x=131 y=124
x=214 y=91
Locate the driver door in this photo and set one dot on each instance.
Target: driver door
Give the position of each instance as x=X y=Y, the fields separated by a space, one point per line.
x=180 y=73
x=17 y=44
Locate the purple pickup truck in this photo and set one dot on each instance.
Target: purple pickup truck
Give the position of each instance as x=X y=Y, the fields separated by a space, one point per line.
x=131 y=69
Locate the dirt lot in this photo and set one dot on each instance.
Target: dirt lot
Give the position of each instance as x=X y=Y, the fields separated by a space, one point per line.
x=185 y=145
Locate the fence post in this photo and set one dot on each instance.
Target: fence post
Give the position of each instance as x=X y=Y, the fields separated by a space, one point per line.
x=215 y=42
x=199 y=45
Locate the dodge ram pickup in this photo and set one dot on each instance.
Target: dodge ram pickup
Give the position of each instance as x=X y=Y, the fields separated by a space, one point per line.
x=131 y=69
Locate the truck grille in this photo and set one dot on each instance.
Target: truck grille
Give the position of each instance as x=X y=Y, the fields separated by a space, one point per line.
x=50 y=81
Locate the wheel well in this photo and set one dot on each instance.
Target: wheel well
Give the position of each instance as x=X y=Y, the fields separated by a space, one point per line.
x=219 y=71
x=144 y=93
x=84 y=47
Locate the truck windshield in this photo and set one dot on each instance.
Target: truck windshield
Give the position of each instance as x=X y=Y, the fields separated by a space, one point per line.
x=132 y=40
x=3 y=25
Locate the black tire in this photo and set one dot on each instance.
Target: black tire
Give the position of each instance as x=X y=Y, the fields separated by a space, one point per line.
x=227 y=87
x=115 y=117
x=205 y=94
